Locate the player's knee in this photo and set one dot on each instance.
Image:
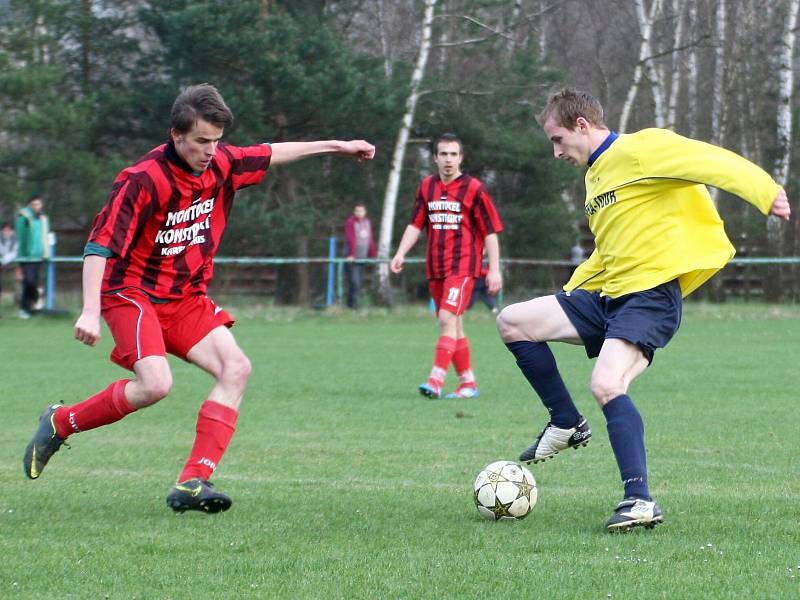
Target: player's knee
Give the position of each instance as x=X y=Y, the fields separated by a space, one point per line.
x=605 y=388
x=156 y=388
x=507 y=326
x=237 y=369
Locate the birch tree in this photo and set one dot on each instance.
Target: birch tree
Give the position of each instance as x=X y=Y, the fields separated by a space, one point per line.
x=785 y=87
x=388 y=66
x=645 y=20
x=652 y=73
x=393 y=183
x=717 y=94
x=784 y=118
x=675 y=79
x=692 y=74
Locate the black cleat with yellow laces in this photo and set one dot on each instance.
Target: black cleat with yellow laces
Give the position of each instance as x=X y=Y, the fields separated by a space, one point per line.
x=43 y=445
x=197 y=494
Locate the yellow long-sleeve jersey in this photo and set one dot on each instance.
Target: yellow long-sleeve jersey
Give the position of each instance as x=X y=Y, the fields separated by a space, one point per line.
x=652 y=216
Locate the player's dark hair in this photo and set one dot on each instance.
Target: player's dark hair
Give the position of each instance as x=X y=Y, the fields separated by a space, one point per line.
x=196 y=102
x=447 y=137
x=567 y=104
x=5 y=224
x=34 y=197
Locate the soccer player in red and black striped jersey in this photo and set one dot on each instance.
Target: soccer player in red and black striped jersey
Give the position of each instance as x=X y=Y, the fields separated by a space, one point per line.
x=146 y=269
x=460 y=219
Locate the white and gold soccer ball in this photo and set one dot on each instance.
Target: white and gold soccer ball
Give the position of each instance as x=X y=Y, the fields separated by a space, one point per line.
x=505 y=490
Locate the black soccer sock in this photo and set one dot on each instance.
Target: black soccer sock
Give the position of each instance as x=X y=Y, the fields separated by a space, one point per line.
x=626 y=434
x=538 y=364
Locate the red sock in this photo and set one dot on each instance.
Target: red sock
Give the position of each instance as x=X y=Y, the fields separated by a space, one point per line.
x=103 y=408
x=445 y=347
x=215 y=426
x=461 y=361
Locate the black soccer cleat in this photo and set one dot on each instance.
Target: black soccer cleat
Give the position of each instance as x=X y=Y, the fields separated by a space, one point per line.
x=633 y=512
x=197 y=494
x=553 y=440
x=43 y=445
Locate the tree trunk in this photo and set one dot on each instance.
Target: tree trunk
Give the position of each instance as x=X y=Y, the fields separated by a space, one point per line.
x=785 y=87
x=717 y=94
x=775 y=227
x=543 y=32
x=387 y=61
x=651 y=71
x=645 y=25
x=303 y=276
x=511 y=45
x=675 y=79
x=717 y=134
x=393 y=184
x=295 y=285
x=692 y=74
x=86 y=45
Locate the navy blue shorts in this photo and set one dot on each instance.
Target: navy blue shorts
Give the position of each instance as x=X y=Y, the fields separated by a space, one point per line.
x=648 y=319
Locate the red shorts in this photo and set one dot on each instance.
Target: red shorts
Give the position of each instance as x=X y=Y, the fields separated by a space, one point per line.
x=143 y=328
x=452 y=294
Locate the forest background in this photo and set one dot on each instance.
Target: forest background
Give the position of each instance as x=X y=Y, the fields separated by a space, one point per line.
x=86 y=87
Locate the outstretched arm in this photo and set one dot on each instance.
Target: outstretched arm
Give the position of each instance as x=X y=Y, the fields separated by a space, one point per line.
x=780 y=206
x=286 y=152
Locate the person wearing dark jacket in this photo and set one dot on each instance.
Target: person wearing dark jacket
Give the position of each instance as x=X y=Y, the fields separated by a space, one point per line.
x=32 y=230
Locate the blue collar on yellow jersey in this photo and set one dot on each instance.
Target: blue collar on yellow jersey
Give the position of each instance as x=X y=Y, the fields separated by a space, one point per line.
x=603 y=147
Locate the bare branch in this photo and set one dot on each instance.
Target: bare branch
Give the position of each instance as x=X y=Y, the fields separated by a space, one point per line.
x=454 y=92
x=472 y=20
x=464 y=42
x=693 y=44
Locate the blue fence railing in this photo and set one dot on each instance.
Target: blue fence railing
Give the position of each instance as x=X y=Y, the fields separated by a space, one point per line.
x=336 y=264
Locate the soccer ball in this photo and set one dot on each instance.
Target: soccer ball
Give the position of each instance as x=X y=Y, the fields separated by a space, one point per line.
x=505 y=490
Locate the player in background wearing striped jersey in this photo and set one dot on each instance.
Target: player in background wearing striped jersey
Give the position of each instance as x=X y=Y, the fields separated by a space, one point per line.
x=146 y=269
x=658 y=237
x=460 y=219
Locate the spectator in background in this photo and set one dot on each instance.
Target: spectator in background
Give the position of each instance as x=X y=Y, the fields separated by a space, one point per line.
x=8 y=249
x=576 y=254
x=360 y=245
x=32 y=229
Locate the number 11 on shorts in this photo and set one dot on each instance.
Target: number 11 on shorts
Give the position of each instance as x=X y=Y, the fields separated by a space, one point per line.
x=452 y=296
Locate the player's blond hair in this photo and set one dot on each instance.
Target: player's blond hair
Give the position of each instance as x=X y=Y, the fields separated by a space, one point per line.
x=567 y=104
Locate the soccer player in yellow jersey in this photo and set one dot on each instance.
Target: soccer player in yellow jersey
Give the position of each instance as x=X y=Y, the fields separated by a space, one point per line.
x=658 y=237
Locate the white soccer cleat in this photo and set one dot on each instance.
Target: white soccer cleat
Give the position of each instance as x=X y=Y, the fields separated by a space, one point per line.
x=633 y=512
x=464 y=391
x=553 y=440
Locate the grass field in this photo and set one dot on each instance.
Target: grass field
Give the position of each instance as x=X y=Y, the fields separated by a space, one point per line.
x=346 y=484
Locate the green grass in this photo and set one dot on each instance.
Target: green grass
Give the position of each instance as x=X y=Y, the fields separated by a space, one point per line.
x=346 y=484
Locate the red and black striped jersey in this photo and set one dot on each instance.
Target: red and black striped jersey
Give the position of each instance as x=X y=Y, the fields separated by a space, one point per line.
x=163 y=223
x=457 y=216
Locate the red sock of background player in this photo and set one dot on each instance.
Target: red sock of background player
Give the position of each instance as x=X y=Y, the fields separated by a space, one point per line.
x=103 y=408
x=461 y=361
x=445 y=347
x=215 y=426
